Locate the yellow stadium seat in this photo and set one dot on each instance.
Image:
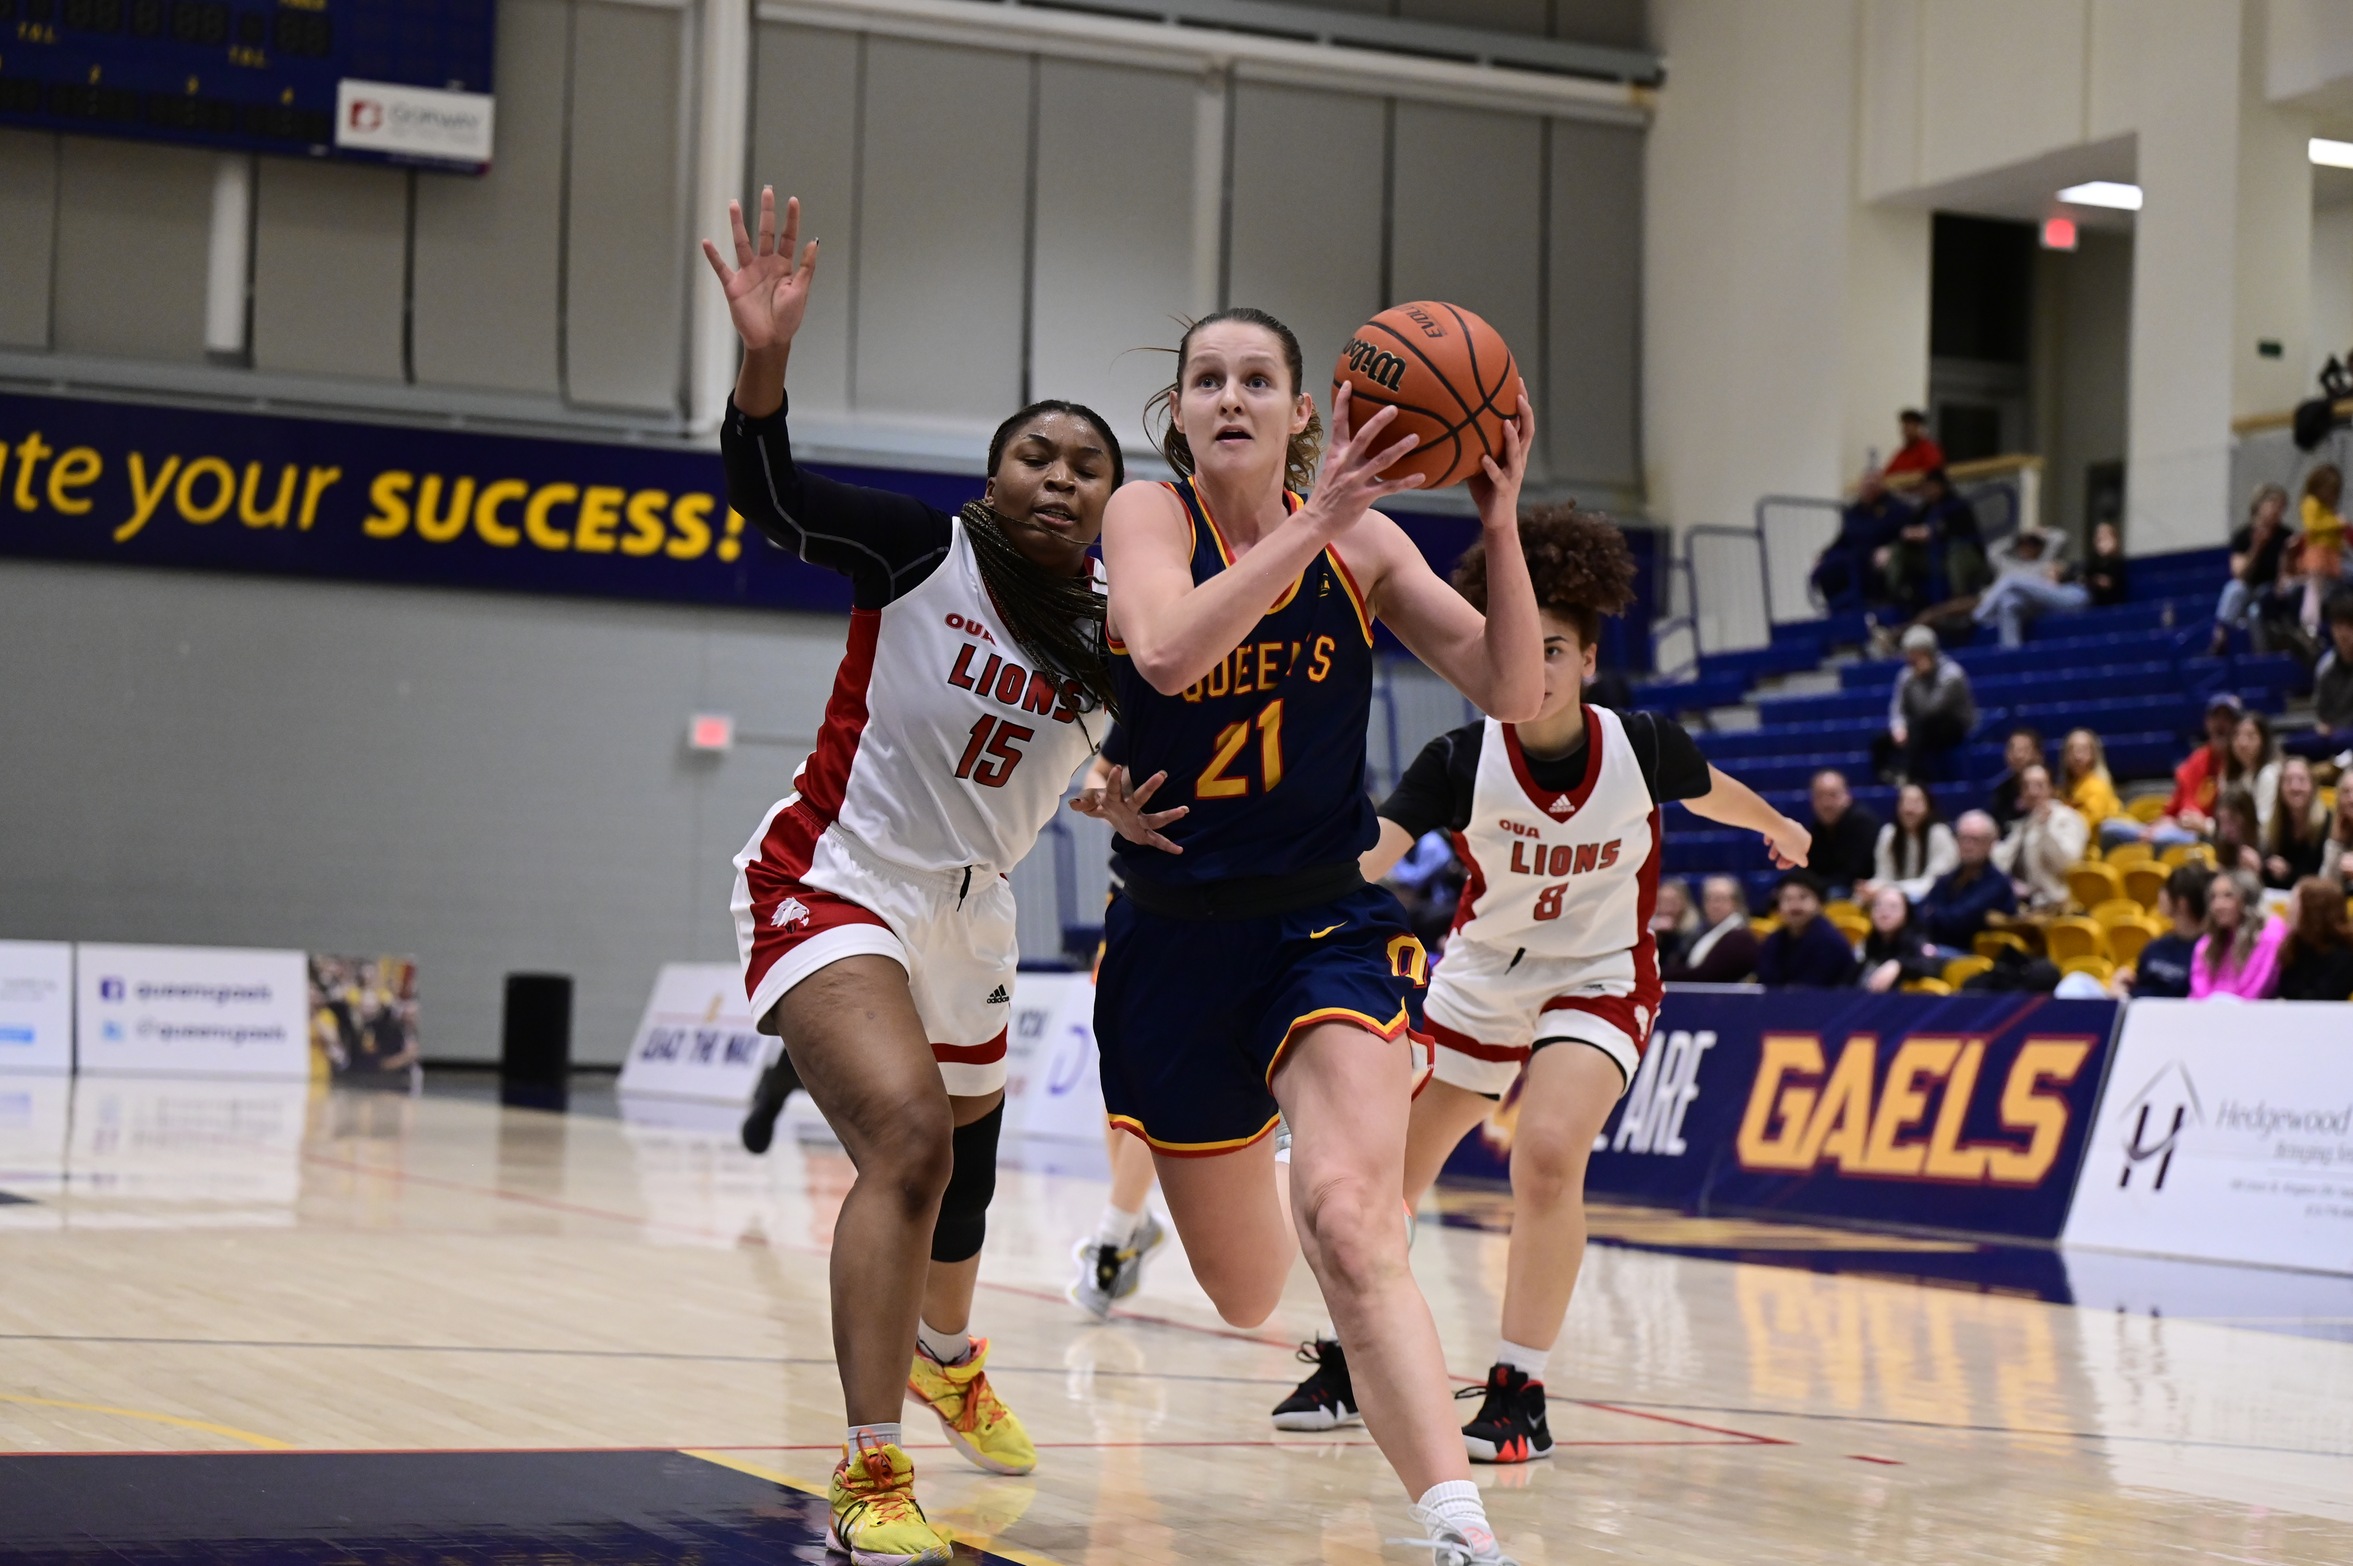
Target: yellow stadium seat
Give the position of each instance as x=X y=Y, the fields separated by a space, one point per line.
x=2126 y=940
x=1928 y=987
x=1991 y=942
x=2118 y=910
x=2074 y=936
x=2092 y=883
x=2124 y=854
x=1854 y=927
x=1962 y=969
x=1844 y=908
x=2182 y=853
x=2144 y=882
x=1763 y=927
x=2099 y=968
x=2147 y=808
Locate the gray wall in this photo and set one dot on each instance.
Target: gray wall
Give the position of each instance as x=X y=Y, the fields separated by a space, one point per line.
x=2081 y=359
x=491 y=783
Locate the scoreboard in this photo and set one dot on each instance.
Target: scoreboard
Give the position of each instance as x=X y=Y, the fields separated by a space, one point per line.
x=402 y=81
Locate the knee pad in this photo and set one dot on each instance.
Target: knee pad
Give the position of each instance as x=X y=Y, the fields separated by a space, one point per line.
x=964 y=1207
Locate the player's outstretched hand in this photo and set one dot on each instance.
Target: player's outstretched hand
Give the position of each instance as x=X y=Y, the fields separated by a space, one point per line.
x=1124 y=809
x=1789 y=844
x=1495 y=488
x=1350 y=481
x=767 y=294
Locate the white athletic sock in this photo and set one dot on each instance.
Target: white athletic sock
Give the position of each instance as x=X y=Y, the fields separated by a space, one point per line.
x=1117 y=1226
x=884 y=1433
x=1456 y=1503
x=1527 y=1361
x=949 y=1348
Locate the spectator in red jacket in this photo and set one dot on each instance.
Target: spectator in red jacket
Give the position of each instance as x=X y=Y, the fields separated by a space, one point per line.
x=2189 y=814
x=1919 y=453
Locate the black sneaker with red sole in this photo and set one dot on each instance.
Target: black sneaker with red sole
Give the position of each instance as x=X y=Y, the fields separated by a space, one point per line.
x=1509 y=1427
x=1326 y=1400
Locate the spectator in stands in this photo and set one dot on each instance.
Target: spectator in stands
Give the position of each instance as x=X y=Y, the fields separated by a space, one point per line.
x=1847 y=574
x=1931 y=712
x=1428 y=882
x=1894 y=953
x=2104 y=570
x=2336 y=859
x=1919 y=452
x=1725 y=952
x=2332 y=687
x=2238 y=956
x=2033 y=582
x=1846 y=836
x=1673 y=921
x=1954 y=912
x=2316 y=960
x=2023 y=749
x=2084 y=782
x=1914 y=849
x=1959 y=541
x=2238 y=833
x=2189 y=814
x=1807 y=952
x=2257 y=552
x=2321 y=558
x=2043 y=844
x=2297 y=839
x=2163 y=972
x=2252 y=763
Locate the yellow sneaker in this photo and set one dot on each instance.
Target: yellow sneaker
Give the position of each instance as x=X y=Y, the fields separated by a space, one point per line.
x=975 y=1418
x=875 y=1519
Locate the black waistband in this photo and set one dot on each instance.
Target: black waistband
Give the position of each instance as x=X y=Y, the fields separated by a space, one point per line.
x=1244 y=897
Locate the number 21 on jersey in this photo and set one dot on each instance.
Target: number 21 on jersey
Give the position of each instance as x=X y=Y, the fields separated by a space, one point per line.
x=1218 y=781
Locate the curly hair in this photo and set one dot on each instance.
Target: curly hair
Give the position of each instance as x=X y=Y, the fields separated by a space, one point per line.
x=1577 y=559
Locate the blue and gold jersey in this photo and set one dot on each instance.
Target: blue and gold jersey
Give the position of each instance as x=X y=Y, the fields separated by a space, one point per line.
x=1268 y=748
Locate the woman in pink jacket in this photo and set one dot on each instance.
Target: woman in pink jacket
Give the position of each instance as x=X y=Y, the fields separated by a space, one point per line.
x=2238 y=956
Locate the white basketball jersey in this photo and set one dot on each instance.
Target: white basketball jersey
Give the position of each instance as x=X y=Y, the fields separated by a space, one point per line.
x=942 y=748
x=1572 y=874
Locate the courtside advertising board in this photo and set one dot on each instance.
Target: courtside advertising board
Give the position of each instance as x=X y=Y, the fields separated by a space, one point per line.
x=2226 y=1134
x=696 y=1039
x=36 y=1006
x=192 y=1011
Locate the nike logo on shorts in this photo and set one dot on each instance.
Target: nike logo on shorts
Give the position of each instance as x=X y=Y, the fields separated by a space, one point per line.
x=1326 y=930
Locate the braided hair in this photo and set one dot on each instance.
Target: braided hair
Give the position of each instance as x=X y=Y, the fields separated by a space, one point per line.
x=1056 y=620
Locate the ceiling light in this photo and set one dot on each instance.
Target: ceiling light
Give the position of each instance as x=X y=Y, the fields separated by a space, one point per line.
x=2103 y=193
x=2331 y=154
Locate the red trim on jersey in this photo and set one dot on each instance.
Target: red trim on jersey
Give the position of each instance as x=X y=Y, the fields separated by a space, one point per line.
x=1647 y=988
x=772 y=886
x=1616 y=1010
x=971 y=1054
x=790 y=844
x=1464 y=1044
x=1542 y=798
x=1474 y=883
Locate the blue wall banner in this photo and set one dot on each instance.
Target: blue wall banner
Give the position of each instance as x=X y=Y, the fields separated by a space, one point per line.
x=1965 y=1113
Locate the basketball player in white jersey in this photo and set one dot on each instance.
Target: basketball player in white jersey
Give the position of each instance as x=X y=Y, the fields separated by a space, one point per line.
x=1551 y=969
x=872 y=913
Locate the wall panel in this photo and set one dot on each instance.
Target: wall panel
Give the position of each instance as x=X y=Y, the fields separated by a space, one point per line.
x=1593 y=349
x=28 y=236
x=489 y=250
x=133 y=221
x=2000 y=81
x=805 y=143
x=330 y=268
x=942 y=224
x=1114 y=246
x=625 y=244
x=1304 y=239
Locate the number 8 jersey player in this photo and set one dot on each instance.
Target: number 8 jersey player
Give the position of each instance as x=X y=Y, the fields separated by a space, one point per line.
x=871 y=909
x=1551 y=977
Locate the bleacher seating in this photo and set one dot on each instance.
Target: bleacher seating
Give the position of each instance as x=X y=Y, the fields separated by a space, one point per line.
x=2136 y=674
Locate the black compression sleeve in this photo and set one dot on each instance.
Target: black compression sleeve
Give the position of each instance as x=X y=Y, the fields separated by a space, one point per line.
x=1436 y=790
x=884 y=543
x=1669 y=757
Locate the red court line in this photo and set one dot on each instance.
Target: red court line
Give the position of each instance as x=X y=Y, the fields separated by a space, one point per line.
x=1258 y=1443
x=1743 y=1437
x=1861 y=1457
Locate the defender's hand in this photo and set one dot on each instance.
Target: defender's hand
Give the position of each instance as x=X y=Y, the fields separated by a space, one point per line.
x=767 y=294
x=1124 y=809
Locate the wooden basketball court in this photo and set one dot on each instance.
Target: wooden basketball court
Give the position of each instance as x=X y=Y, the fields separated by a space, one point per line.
x=248 y=1323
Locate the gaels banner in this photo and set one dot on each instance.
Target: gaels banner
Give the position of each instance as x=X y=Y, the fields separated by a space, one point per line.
x=139 y=485
x=1967 y=1112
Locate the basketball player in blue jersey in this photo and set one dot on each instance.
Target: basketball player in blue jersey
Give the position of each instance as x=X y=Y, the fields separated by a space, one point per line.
x=1248 y=967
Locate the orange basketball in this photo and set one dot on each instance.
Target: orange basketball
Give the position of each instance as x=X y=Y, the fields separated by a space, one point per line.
x=1448 y=374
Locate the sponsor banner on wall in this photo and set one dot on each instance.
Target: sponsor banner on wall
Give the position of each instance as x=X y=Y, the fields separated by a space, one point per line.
x=696 y=1039
x=36 y=1006
x=1053 y=1077
x=2226 y=1135
x=191 y=1011
x=1965 y=1112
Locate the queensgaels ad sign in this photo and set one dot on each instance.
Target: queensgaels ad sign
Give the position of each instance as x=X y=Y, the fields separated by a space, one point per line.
x=1967 y=1112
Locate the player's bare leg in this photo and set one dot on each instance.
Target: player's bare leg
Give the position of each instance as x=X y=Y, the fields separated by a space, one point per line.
x=947 y=1288
x=1235 y=1232
x=1443 y=1115
x=1567 y=1097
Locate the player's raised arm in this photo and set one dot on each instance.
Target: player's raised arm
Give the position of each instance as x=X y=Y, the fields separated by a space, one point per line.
x=1735 y=804
x=1496 y=659
x=767 y=297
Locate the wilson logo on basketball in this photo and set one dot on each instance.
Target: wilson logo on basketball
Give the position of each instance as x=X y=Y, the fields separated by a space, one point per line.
x=1377 y=365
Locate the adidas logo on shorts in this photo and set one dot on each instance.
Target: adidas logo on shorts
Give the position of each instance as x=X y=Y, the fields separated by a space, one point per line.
x=788 y=913
x=998 y=997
